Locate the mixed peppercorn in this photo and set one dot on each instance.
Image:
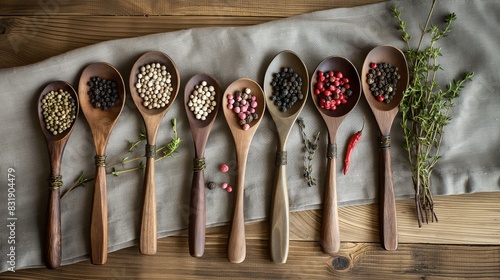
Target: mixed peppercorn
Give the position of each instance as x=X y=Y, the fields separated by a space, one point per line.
x=243 y=104
x=332 y=89
x=383 y=80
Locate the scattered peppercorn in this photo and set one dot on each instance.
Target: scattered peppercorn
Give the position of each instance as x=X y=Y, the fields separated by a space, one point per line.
x=103 y=93
x=244 y=105
x=229 y=189
x=286 y=86
x=211 y=185
x=224 y=185
x=58 y=110
x=383 y=79
x=154 y=85
x=332 y=89
x=224 y=168
x=202 y=100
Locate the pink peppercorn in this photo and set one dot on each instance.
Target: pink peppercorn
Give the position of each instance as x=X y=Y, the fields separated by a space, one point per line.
x=254 y=97
x=252 y=110
x=230 y=106
x=254 y=104
x=224 y=185
x=237 y=110
x=224 y=168
x=230 y=96
x=246 y=126
x=242 y=116
x=244 y=108
x=229 y=189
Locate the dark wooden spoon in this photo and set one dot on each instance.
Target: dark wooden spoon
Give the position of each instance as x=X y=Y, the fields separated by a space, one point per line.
x=384 y=114
x=101 y=124
x=200 y=130
x=152 y=119
x=55 y=146
x=330 y=233
x=279 y=220
x=236 y=248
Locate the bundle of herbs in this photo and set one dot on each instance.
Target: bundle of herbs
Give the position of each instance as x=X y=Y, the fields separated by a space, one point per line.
x=425 y=108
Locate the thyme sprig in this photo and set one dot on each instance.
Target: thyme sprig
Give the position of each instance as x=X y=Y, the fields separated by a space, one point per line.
x=164 y=151
x=425 y=109
x=310 y=147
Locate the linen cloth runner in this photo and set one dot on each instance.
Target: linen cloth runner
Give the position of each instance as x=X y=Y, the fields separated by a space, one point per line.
x=470 y=151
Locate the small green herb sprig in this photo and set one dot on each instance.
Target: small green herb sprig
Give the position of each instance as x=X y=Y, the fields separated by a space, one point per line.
x=425 y=107
x=118 y=166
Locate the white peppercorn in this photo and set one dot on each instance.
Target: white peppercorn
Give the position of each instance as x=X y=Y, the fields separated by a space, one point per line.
x=154 y=85
x=202 y=100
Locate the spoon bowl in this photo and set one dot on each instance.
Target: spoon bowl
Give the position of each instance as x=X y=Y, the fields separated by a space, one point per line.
x=152 y=120
x=279 y=221
x=236 y=250
x=200 y=130
x=384 y=114
x=101 y=124
x=330 y=233
x=55 y=146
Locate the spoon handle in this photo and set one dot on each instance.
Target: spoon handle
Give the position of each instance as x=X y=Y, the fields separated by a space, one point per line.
x=99 y=222
x=330 y=233
x=53 y=234
x=280 y=213
x=148 y=239
x=236 y=248
x=389 y=231
x=197 y=215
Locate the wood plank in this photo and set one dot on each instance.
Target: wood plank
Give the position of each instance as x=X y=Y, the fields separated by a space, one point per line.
x=354 y=261
x=23 y=37
x=360 y=223
x=244 y=8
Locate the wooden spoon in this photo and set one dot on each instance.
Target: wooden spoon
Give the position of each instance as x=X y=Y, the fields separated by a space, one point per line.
x=330 y=234
x=55 y=146
x=101 y=124
x=236 y=250
x=200 y=130
x=284 y=121
x=384 y=114
x=152 y=119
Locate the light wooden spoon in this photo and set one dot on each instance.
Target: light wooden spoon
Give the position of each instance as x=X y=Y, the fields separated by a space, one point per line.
x=330 y=234
x=236 y=249
x=152 y=120
x=279 y=221
x=55 y=146
x=200 y=130
x=384 y=114
x=101 y=124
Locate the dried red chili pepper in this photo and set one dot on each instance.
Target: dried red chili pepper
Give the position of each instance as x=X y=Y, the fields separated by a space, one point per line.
x=352 y=143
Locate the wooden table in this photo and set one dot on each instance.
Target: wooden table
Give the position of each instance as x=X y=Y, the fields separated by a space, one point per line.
x=465 y=243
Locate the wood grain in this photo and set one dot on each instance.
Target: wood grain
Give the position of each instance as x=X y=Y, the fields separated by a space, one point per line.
x=184 y=8
x=354 y=261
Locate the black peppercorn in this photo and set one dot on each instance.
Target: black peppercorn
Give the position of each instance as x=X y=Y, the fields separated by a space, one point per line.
x=211 y=185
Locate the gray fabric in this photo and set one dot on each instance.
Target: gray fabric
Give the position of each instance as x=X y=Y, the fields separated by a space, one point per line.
x=470 y=151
